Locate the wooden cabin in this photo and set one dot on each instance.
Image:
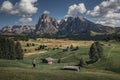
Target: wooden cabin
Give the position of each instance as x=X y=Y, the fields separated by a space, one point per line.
x=48 y=60
x=76 y=68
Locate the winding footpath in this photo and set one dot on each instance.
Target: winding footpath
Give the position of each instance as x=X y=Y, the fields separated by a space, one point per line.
x=33 y=53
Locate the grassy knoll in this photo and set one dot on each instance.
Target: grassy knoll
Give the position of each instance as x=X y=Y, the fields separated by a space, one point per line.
x=106 y=69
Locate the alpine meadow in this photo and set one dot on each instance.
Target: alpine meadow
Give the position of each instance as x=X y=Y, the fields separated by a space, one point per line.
x=59 y=40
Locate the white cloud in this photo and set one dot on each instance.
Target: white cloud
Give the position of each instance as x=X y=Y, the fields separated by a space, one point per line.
x=109 y=22
x=23 y=8
x=27 y=7
x=106 y=7
x=107 y=12
x=75 y=9
x=95 y=12
x=46 y=12
x=6 y=7
x=25 y=20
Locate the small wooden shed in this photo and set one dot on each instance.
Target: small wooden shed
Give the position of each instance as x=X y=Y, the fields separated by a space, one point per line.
x=48 y=60
x=76 y=68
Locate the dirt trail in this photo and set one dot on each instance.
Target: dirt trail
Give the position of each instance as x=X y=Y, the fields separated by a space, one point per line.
x=33 y=53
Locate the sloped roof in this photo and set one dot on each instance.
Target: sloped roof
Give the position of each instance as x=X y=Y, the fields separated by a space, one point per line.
x=49 y=59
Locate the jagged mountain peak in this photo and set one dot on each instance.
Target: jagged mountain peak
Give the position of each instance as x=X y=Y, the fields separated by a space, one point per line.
x=44 y=15
x=70 y=19
x=80 y=18
x=76 y=25
x=46 y=24
x=49 y=25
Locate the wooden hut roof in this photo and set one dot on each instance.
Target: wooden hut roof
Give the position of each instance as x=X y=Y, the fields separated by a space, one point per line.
x=49 y=59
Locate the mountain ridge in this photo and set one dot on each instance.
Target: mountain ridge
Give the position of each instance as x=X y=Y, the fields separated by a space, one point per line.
x=17 y=29
x=72 y=25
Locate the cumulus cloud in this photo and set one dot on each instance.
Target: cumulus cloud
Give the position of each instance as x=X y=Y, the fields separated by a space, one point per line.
x=109 y=22
x=106 y=7
x=27 y=7
x=75 y=9
x=6 y=7
x=23 y=8
x=46 y=12
x=24 y=20
x=107 y=12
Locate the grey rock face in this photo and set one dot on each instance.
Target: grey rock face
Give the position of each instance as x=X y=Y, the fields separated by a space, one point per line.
x=18 y=29
x=80 y=24
x=46 y=24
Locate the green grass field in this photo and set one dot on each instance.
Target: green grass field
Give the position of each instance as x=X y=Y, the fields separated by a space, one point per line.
x=107 y=69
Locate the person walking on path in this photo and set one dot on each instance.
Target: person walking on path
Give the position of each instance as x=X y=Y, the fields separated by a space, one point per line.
x=34 y=63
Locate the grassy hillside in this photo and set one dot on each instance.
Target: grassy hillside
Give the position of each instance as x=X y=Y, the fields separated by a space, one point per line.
x=53 y=43
x=107 y=69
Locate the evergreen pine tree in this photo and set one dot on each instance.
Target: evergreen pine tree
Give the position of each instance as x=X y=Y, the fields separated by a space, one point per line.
x=95 y=52
x=10 y=50
x=19 y=51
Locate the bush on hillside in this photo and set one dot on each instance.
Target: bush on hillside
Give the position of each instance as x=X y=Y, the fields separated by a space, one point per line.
x=41 y=47
x=75 y=48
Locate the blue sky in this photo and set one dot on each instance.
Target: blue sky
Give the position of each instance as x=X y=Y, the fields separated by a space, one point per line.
x=17 y=12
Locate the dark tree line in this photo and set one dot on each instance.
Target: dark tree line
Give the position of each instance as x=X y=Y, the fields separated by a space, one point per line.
x=115 y=37
x=9 y=49
x=20 y=37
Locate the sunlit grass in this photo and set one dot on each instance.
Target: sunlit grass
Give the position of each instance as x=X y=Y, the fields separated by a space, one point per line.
x=107 y=69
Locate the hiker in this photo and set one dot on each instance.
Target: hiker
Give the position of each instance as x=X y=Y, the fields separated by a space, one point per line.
x=34 y=63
